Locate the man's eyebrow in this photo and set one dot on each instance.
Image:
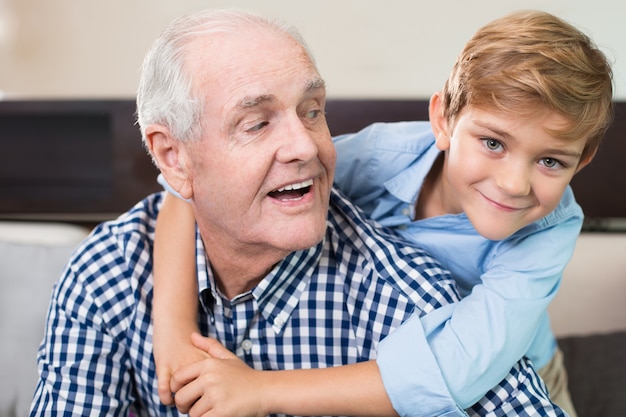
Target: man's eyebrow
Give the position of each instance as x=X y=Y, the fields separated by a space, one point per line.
x=315 y=84
x=253 y=101
x=248 y=102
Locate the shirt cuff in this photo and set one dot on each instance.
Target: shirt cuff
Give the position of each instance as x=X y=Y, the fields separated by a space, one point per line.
x=402 y=356
x=161 y=180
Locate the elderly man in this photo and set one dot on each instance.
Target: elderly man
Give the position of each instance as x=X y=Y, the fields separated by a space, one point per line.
x=290 y=273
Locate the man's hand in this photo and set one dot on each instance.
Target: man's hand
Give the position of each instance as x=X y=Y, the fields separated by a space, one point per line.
x=220 y=385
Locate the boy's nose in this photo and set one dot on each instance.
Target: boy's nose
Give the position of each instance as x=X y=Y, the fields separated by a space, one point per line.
x=514 y=179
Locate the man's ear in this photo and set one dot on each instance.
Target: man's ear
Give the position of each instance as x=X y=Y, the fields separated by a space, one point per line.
x=438 y=122
x=170 y=156
x=584 y=162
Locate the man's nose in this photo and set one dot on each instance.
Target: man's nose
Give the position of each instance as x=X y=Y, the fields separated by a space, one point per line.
x=297 y=143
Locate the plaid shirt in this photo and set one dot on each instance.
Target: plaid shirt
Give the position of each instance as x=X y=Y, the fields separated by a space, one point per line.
x=325 y=306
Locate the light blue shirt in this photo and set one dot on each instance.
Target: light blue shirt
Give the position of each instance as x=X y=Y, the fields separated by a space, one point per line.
x=507 y=284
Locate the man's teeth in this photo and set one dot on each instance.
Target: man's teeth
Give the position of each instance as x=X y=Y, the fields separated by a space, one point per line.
x=296 y=186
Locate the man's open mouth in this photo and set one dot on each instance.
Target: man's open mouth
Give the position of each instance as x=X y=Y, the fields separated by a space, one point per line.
x=292 y=191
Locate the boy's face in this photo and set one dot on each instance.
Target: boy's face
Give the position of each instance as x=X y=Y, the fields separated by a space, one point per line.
x=505 y=171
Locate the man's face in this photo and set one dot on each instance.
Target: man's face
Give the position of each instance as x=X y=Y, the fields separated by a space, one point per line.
x=263 y=170
x=506 y=171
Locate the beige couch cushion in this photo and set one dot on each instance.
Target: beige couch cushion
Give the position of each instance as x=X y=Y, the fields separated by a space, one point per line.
x=32 y=256
x=591 y=297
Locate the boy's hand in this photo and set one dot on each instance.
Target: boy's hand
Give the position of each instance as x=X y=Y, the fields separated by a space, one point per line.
x=170 y=354
x=220 y=385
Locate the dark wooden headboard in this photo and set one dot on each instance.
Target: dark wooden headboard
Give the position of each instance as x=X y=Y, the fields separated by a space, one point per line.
x=82 y=160
x=71 y=160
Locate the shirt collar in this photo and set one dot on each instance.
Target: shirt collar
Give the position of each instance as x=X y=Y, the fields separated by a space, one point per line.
x=277 y=295
x=407 y=184
x=279 y=292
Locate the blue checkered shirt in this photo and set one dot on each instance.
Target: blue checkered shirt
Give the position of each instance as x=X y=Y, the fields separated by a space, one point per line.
x=329 y=305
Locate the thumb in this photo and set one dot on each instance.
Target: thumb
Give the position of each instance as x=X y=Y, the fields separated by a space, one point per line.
x=211 y=346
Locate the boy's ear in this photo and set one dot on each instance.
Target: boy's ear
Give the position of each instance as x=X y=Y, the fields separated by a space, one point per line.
x=438 y=122
x=584 y=162
x=170 y=155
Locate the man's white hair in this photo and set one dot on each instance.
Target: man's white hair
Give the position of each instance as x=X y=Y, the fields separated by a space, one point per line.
x=165 y=95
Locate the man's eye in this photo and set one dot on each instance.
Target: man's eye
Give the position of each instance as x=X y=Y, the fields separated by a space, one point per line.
x=258 y=126
x=312 y=114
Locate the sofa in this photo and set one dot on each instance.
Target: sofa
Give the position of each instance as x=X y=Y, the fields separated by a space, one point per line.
x=32 y=255
x=39 y=230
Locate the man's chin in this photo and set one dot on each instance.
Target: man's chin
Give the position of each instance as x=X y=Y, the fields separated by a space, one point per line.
x=306 y=238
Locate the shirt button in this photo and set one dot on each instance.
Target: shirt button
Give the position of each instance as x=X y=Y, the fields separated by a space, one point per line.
x=406 y=211
x=279 y=321
x=246 y=345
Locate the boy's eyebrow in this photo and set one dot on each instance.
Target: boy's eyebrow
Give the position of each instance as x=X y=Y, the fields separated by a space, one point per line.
x=501 y=133
x=564 y=152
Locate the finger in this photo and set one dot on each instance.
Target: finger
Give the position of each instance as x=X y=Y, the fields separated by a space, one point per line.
x=163 y=384
x=187 y=396
x=184 y=375
x=201 y=408
x=211 y=346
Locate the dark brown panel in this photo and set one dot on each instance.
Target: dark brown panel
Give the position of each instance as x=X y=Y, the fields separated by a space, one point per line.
x=71 y=159
x=83 y=159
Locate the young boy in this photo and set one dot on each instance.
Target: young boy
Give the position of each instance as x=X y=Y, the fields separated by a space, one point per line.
x=483 y=187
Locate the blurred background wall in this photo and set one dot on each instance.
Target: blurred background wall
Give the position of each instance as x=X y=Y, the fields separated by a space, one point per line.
x=364 y=48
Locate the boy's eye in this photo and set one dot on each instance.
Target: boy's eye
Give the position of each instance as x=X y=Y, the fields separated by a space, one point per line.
x=492 y=144
x=551 y=163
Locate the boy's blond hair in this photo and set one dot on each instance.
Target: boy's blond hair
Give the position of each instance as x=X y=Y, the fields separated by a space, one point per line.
x=530 y=60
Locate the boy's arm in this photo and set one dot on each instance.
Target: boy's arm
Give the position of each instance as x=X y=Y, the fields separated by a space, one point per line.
x=175 y=303
x=351 y=390
x=477 y=340
x=227 y=386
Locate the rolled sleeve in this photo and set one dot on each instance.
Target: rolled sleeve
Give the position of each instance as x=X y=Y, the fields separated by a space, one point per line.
x=405 y=355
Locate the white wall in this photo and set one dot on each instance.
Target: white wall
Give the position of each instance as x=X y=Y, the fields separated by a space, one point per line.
x=364 y=48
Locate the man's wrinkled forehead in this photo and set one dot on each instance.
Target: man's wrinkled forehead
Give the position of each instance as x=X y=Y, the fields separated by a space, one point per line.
x=227 y=60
